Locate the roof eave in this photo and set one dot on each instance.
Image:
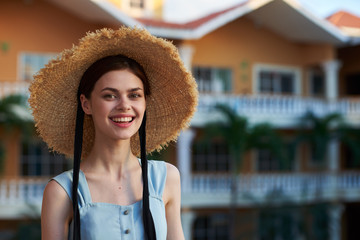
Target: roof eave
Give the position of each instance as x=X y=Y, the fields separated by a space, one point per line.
x=117 y=14
x=207 y=27
x=322 y=23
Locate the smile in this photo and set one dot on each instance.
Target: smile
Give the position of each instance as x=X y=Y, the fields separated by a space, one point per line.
x=122 y=119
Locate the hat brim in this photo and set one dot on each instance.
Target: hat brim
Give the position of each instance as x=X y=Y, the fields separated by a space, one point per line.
x=169 y=108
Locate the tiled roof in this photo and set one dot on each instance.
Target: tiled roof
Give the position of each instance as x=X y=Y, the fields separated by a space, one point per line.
x=344 y=19
x=189 y=25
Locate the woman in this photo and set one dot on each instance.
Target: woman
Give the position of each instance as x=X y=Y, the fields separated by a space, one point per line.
x=126 y=93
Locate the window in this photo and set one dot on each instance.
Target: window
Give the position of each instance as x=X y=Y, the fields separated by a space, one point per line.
x=31 y=63
x=211 y=227
x=36 y=160
x=317 y=83
x=316 y=156
x=215 y=80
x=137 y=4
x=276 y=80
x=279 y=223
x=352 y=82
x=350 y=162
x=212 y=157
x=267 y=162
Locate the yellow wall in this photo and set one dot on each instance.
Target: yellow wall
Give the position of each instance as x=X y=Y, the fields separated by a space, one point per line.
x=117 y=3
x=158 y=8
x=241 y=43
x=37 y=26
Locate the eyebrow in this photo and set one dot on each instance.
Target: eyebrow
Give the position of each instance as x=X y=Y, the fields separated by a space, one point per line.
x=116 y=90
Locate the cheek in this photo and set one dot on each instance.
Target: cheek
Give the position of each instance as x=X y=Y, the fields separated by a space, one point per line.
x=100 y=109
x=142 y=107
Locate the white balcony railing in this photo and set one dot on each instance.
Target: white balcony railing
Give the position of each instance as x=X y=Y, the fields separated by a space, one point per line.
x=21 y=191
x=214 y=189
x=21 y=198
x=296 y=186
x=272 y=108
x=8 y=88
x=276 y=109
x=30 y=191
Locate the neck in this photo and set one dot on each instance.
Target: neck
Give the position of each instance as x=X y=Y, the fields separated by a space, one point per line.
x=110 y=157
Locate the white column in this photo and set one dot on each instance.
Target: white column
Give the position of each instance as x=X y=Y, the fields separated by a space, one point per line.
x=186 y=53
x=331 y=70
x=333 y=156
x=335 y=213
x=187 y=219
x=184 y=157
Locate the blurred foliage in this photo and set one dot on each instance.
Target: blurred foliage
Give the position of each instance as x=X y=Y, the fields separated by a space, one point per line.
x=292 y=221
x=30 y=227
x=318 y=132
x=28 y=230
x=14 y=115
x=241 y=137
x=284 y=219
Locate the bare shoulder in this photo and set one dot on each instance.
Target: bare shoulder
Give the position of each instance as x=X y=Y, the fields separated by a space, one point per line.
x=172 y=186
x=55 y=198
x=56 y=212
x=172 y=200
x=173 y=174
x=54 y=193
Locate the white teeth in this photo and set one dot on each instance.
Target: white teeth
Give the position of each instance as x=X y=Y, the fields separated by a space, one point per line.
x=122 y=119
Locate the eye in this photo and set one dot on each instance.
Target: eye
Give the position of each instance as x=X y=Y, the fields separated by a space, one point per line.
x=135 y=95
x=109 y=96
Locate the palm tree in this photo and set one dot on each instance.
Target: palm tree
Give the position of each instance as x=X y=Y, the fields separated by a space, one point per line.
x=318 y=132
x=241 y=137
x=14 y=115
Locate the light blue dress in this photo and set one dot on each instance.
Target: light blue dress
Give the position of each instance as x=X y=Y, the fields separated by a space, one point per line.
x=110 y=221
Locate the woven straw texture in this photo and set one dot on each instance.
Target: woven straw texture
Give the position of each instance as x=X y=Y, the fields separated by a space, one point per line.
x=170 y=106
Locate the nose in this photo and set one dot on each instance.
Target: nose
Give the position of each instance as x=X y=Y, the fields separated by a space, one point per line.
x=123 y=104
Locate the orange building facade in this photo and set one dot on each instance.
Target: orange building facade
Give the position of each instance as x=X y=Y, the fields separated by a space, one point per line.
x=270 y=61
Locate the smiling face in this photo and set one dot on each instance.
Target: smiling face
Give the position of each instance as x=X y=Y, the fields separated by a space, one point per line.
x=116 y=104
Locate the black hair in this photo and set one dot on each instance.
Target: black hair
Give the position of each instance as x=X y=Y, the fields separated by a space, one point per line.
x=87 y=83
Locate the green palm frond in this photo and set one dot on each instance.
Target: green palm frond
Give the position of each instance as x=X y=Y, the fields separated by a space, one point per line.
x=318 y=132
x=240 y=137
x=15 y=113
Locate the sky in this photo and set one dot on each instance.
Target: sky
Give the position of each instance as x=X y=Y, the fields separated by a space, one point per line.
x=186 y=10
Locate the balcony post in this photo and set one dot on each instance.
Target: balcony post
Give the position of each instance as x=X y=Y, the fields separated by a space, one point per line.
x=331 y=70
x=335 y=213
x=184 y=157
x=186 y=53
x=333 y=156
x=187 y=220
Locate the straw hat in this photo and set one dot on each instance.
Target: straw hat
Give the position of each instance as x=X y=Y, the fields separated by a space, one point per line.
x=169 y=108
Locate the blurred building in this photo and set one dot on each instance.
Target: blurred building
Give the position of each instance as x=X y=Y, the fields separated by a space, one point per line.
x=269 y=60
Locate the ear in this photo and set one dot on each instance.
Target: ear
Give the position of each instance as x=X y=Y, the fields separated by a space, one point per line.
x=85 y=104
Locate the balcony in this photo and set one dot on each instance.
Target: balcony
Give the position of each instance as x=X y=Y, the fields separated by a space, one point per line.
x=281 y=111
x=22 y=197
x=8 y=88
x=256 y=189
